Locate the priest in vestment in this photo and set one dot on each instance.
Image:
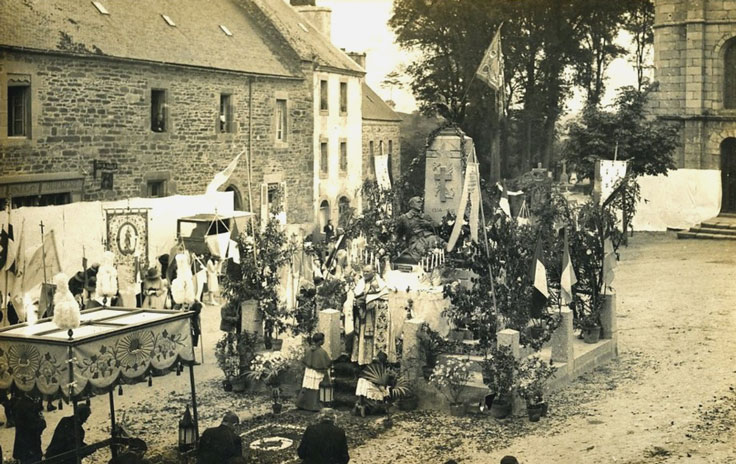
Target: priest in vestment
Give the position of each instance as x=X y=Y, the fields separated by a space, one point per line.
x=372 y=320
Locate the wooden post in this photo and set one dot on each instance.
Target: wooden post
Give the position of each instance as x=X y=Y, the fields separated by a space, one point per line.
x=113 y=447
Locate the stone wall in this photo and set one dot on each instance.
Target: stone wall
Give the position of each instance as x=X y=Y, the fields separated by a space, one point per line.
x=689 y=44
x=376 y=131
x=95 y=108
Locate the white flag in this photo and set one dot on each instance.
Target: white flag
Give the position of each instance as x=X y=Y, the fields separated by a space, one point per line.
x=222 y=176
x=470 y=188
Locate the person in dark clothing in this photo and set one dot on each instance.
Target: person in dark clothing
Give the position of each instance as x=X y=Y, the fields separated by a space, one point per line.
x=63 y=439
x=509 y=460
x=324 y=442
x=29 y=424
x=329 y=231
x=221 y=444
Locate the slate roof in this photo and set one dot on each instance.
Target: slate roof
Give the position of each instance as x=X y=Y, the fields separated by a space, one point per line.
x=374 y=108
x=304 y=38
x=136 y=30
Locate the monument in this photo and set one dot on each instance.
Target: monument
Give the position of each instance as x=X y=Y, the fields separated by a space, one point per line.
x=444 y=172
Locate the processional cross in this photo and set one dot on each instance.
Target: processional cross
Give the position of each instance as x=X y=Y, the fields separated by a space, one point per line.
x=442 y=177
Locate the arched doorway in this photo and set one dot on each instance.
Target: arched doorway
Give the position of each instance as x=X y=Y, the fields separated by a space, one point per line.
x=237 y=198
x=324 y=214
x=728 y=175
x=343 y=209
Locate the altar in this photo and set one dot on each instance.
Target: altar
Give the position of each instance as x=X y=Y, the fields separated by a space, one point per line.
x=428 y=302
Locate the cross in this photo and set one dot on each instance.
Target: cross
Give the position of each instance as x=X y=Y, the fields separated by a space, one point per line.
x=444 y=176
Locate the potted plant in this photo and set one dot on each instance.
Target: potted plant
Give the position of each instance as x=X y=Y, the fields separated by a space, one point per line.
x=226 y=353
x=398 y=386
x=533 y=375
x=430 y=346
x=499 y=370
x=450 y=377
x=269 y=367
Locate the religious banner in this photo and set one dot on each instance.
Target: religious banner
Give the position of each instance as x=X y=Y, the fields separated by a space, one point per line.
x=382 y=177
x=607 y=173
x=127 y=237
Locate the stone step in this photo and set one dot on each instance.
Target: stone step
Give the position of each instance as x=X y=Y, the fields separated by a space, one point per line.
x=714 y=230
x=727 y=215
x=715 y=224
x=695 y=235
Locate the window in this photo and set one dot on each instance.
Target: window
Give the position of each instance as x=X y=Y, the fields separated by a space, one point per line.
x=19 y=109
x=324 y=214
x=390 y=159
x=225 y=122
x=159 y=116
x=372 y=153
x=390 y=147
x=323 y=105
x=343 y=97
x=729 y=76
x=343 y=157
x=323 y=159
x=156 y=188
x=281 y=120
x=273 y=202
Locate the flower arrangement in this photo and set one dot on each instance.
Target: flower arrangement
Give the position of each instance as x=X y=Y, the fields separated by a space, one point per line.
x=226 y=353
x=268 y=366
x=498 y=371
x=450 y=377
x=533 y=374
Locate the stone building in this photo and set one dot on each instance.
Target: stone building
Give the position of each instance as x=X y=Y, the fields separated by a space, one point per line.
x=695 y=65
x=381 y=130
x=103 y=101
x=336 y=85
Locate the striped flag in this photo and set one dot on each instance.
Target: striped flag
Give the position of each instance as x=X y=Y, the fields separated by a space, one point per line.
x=538 y=275
x=568 y=278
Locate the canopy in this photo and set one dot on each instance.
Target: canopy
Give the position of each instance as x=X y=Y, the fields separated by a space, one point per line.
x=110 y=343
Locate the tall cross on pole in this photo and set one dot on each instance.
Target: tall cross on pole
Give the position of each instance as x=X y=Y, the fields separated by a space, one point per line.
x=43 y=254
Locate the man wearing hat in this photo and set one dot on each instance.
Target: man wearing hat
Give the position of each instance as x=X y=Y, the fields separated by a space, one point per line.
x=324 y=442
x=221 y=444
x=154 y=289
x=64 y=434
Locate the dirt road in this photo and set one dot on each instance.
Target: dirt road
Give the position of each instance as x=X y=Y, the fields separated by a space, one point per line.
x=668 y=398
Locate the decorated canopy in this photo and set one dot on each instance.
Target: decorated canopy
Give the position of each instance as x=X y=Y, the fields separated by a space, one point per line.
x=110 y=343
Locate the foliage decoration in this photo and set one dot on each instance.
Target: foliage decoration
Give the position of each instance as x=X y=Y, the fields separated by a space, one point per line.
x=450 y=377
x=533 y=374
x=499 y=370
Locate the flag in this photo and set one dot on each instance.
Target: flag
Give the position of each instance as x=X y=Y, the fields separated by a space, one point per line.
x=221 y=177
x=568 y=278
x=503 y=203
x=218 y=243
x=8 y=246
x=609 y=263
x=34 y=269
x=490 y=69
x=538 y=278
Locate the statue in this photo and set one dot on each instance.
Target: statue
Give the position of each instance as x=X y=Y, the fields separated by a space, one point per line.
x=417 y=228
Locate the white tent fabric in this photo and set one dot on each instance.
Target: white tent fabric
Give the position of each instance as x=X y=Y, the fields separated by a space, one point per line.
x=683 y=198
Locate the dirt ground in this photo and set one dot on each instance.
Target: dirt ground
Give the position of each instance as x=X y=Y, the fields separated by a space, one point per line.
x=668 y=398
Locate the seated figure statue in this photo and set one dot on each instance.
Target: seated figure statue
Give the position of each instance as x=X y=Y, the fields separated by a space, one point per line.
x=417 y=229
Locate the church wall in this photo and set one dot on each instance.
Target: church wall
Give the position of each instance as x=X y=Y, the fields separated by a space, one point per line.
x=94 y=108
x=688 y=56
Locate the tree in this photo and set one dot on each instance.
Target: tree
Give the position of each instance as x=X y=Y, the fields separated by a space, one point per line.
x=639 y=23
x=648 y=144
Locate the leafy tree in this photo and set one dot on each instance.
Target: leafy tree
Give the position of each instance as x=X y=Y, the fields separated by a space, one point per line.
x=639 y=23
x=648 y=144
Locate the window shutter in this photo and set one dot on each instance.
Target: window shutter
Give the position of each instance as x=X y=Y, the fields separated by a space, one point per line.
x=283 y=199
x=230 y=117
x=264 y=205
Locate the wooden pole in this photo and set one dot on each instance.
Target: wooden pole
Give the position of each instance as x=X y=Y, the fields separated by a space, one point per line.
x=43 y=254
x=194 y=398
x=113 y=447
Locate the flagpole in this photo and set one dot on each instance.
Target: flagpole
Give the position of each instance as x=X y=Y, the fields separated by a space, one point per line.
x=6 y=295
x=488 y=256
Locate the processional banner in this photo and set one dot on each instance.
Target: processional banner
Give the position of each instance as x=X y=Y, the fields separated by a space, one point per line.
x=382 y=176
x=127 y=237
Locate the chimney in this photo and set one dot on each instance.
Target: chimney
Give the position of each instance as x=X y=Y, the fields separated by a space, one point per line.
x=318 y=16
x=358 y=58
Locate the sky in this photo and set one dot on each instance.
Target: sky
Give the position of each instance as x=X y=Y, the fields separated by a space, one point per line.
x=362 y=26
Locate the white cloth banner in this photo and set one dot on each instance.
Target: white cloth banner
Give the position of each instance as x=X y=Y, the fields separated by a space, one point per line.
x=609 y=172
x=80 y=227
x=218 y=243
x=470 y=189
x=681 y=199
x=382 y=176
